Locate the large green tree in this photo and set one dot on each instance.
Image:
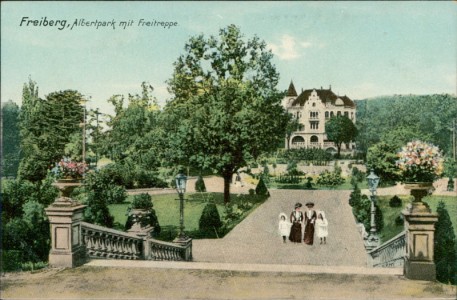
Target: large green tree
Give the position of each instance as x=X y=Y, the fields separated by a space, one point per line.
x=46 y=126
x=340 y=129
x=226 y=107
x=381 y=158
x=10 y=139
x=135 y=134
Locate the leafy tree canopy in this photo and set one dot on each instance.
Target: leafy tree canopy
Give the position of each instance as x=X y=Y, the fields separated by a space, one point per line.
x=226 y=108
x=135 y=134
x=46 y=126
x=340 y=129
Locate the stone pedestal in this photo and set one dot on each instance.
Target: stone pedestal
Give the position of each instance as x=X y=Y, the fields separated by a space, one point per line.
x=187 y=242
x=420 y=229
x=420 y=234
x=65 y=217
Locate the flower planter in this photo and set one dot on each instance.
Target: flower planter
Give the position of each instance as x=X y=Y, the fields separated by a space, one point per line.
x=66 y=186
x=419 y=190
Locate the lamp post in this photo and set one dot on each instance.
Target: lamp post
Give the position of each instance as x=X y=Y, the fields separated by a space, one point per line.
x=372 y=240
x=181 y=181
x=83 y=125
x=97 y=113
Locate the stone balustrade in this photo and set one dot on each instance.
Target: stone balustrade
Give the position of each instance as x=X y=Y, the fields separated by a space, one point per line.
x=102 y=242
x=391 y=253
x=159 y=250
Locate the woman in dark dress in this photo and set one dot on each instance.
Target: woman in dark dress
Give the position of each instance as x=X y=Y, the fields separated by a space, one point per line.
x=296 y=218
x=310 y=220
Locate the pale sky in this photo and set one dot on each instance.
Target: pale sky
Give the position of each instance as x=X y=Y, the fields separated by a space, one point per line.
x=361 y=49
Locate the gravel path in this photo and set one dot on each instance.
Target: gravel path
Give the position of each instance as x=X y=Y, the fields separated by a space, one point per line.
x=256 y=240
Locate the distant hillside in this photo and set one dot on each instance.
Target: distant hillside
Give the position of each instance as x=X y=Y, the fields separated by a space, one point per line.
x=401 y=118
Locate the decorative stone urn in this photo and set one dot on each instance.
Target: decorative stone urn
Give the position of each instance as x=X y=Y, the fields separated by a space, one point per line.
x=420 y=229
x=66 y=186
x=419 y=190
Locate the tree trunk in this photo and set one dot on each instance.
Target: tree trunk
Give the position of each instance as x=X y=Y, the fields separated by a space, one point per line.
x=227 y=179
x=339 y=150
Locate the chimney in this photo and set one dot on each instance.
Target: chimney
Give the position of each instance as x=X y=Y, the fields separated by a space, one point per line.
x=321 y=87
x=330 y=87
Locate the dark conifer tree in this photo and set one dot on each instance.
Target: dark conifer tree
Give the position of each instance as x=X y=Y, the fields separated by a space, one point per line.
x=445 y=247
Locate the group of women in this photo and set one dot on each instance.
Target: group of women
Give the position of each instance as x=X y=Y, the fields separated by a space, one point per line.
x=311 y=219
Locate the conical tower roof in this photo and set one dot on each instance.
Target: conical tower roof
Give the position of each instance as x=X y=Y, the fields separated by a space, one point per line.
x=291 y=92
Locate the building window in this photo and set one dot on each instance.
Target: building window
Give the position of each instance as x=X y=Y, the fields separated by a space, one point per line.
x=297 y=139
x=338 y=113
x=314 y=139
x=346 y=114
x=326 y=115
x=314 y=104
x=313 y=114
x=332 y=114
x=314 y=125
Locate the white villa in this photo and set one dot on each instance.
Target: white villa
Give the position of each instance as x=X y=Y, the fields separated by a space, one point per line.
x=313 y=108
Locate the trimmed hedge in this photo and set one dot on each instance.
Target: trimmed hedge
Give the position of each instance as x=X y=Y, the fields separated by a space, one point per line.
x=210 y=219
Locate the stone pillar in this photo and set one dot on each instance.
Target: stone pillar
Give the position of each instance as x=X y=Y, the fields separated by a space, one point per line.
x=65 y=217
x=420 y=234
x=186 y=242
x=420 y=231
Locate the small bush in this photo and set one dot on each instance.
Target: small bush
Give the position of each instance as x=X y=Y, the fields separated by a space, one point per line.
x=210 y=219
x=450 y=184
x=399 y=221
x=354 y=198
x=142 y=201
x=308 y=184
x=251 y=192
x=395 y=201
x=261 y=188
x=200 y=185
x=330 y=178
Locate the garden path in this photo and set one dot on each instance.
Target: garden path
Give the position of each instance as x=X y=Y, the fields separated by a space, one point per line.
x=256 y=238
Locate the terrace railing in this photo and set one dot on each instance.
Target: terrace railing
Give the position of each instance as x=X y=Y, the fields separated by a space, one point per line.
x=390 y=254
x=102 y=242
x=159 y=250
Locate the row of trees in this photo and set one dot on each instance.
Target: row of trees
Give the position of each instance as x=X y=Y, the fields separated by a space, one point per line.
x=225 y=111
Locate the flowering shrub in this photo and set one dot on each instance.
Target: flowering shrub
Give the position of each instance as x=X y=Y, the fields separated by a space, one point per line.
x=420 y=162
x=71 y=169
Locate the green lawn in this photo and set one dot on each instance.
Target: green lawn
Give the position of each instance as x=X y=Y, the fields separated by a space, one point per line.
x=390 y=213
x=167 y=210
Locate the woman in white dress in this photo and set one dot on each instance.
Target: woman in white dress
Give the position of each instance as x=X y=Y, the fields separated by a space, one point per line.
x=322 y=227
